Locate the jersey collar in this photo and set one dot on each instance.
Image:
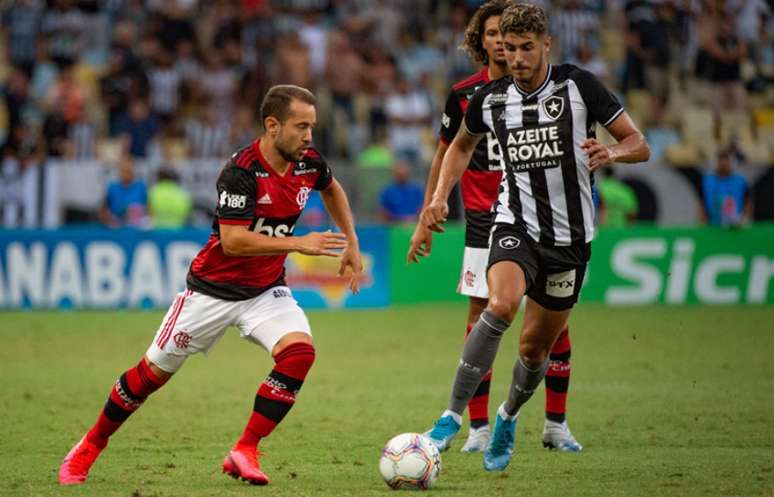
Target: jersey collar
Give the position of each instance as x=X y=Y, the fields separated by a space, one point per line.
x=542 y=86
x=265 y=164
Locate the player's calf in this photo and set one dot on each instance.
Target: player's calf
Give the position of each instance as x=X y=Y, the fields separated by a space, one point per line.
x=127 y=395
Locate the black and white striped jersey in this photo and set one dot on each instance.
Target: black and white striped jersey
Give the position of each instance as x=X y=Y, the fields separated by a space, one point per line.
x=546 y=187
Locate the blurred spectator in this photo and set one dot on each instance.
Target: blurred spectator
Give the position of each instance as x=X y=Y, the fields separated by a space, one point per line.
x=126 y=200
x=121 y=81
x=205 y=135
x=409 y=112
x=187 y=64
x=21 y=22
x=725 y=52
x=292 y=64
x=655 y=43
x=752 y=17
x=243 y=128
x=592 y=62
x=344 y=76
x=44 y=73
x=574 y=26
x=401 y=200
x=726 y=196
x=378 y=82
x=169 y=205
x=137 y=127
x=63 y=25
x=315 y=36
x=164 y=86
x=219 y=82
x=81 y=139
x=617 y=201
x=18 y=105
x=377 y=155
x=640 y=15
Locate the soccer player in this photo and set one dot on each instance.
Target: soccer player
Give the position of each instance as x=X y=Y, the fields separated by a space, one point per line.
x=480 y=183
x=237 y=279
x=543 y=118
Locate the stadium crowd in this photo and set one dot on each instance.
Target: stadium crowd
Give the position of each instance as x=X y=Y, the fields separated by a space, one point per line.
x=166 y=81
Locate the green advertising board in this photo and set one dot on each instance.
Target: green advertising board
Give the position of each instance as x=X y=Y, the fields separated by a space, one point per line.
x=631 y=266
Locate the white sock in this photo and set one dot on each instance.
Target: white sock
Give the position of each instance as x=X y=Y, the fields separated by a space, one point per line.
x=456 y=417
x=501 y=412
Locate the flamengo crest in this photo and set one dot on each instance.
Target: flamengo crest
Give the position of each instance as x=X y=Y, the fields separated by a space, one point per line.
x=553 y=107
x=303 y=196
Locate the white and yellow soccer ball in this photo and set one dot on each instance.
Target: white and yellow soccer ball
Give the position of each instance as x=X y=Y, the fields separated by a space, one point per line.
x=410 y=461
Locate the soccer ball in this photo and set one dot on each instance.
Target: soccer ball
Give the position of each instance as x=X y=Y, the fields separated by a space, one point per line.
x=410 y=461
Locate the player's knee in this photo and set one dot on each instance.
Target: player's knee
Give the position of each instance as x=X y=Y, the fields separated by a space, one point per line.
x=532 y=354
x=504 y=308
x=302 y=353
x=157 y=371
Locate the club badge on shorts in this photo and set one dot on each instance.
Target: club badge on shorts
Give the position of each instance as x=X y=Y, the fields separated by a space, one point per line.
x=509 y=242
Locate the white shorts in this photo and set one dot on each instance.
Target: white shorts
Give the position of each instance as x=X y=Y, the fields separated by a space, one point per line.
x=195 y=322
x=473 y=277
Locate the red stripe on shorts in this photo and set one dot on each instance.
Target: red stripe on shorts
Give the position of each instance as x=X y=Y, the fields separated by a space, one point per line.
x=164 y=337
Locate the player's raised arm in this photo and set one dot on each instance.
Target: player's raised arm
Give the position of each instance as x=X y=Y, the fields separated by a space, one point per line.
x=454 y=163
x=335 y=200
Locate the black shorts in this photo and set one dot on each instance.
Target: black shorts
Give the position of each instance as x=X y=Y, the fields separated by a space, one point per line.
x=554 y=274
x=478 y=224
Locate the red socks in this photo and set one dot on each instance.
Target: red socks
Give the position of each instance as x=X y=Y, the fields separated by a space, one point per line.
x=126 y=396
x=558 y=378
x=277 y=393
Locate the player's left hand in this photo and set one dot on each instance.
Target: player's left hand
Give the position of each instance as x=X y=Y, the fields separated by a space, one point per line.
x=351 y=257
x=598 y=154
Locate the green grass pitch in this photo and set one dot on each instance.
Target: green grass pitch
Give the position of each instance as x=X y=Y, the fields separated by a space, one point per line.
x=667 y=401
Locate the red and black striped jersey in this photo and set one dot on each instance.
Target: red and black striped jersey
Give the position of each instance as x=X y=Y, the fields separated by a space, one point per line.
x=481 y=180
x=252 y=194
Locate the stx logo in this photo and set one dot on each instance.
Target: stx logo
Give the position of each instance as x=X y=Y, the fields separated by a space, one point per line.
x=470 y=278
x=561 y=285
x=232 y=201
x=182 y=339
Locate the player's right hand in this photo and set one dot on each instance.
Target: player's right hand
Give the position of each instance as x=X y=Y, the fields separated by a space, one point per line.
x=434 y=215
x=420 y=245
x=322 y=243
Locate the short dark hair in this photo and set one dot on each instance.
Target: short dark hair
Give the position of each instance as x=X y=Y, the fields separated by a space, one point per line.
x=277 y=101
x=523 y=18
x=473 y=43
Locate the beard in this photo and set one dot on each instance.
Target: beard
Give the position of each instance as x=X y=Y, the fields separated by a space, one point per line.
x=287 y=153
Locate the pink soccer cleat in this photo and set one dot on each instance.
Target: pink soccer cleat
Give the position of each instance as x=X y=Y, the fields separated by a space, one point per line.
x=242 y=462
x=77 y=463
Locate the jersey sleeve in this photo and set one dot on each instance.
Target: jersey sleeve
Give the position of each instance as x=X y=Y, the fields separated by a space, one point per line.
x=325 y=178
x=603 y=107
x=452 y=118
x=474 y=116
x=237 y=191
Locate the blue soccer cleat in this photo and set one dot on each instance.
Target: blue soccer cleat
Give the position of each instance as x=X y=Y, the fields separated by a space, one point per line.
x=443 y=431
x=558 y=436
x=500 y=447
